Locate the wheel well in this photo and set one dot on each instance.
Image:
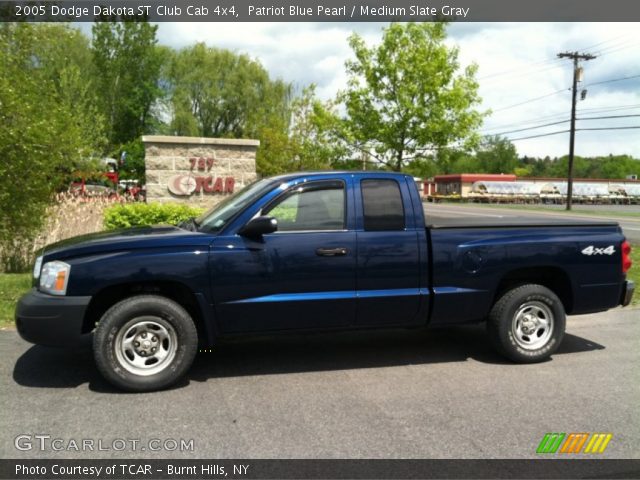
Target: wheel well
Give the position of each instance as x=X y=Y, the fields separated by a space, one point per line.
x=175 y=291
x=554 y=278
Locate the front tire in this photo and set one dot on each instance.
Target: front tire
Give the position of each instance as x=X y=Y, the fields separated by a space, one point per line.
x=527 y=323
x=145 y=343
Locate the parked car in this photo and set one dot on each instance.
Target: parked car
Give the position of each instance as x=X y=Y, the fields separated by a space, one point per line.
x=93 y=188
x=317 y=252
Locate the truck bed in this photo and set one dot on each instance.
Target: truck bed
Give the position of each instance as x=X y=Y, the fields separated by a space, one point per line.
x=436 y=222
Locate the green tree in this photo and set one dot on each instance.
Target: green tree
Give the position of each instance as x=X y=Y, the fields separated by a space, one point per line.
x=133 y=165
x=218 y=93
x=497 y=155
x=43 y=136
x=127 y=63
x=304 y=143
x=406 y=97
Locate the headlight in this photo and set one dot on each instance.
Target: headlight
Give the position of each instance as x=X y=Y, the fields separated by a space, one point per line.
x=54 y=277
x=37 y=266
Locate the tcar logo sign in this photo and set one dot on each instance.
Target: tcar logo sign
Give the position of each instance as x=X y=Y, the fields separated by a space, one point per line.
x=185 y=185
x=182 y=185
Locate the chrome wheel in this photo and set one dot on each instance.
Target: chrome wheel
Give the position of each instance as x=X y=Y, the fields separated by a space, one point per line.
x=146 y=345
x=532 y=325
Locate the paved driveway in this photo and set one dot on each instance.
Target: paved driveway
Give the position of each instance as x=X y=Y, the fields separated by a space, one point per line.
x=436 y=393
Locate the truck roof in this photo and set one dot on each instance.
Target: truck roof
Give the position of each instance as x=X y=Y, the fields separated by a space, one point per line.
x=355 y=173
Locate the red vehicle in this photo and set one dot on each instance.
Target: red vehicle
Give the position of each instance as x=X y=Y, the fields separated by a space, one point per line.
x=105 y=186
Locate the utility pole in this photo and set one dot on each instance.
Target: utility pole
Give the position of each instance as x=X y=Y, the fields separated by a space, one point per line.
x=575 y=56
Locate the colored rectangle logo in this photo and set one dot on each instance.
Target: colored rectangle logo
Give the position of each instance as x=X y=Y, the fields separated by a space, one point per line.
x=573 y=443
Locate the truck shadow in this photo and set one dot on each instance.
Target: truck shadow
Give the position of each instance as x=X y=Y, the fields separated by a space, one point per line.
x=42 y=367
x=355 y=350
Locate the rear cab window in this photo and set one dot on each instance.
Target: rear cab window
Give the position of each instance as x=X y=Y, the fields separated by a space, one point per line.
x=383 y=208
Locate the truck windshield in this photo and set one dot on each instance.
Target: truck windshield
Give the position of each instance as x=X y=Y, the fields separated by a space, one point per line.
x=216 y=218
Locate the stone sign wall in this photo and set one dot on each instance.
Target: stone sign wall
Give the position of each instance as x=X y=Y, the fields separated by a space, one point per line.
x=201 y=171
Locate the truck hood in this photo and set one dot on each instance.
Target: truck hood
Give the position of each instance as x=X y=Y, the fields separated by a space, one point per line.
x=161 y=236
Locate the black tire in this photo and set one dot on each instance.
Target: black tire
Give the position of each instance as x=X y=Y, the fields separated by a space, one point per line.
x=527 y=306
x=159 y=319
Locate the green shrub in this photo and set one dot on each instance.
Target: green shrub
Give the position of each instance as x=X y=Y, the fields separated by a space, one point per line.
x=143 y=214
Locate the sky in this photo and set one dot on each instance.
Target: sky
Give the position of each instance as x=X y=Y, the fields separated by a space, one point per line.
x=517 y=62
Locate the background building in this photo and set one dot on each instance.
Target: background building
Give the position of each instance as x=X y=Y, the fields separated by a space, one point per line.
x=508 y=188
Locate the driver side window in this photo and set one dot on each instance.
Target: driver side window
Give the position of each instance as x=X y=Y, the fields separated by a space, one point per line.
x=315 y=206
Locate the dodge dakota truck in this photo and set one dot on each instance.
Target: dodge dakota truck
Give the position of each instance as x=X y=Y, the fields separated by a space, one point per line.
x=316 y=252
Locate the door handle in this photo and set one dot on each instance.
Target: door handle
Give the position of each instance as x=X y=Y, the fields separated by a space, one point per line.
x=332 y=252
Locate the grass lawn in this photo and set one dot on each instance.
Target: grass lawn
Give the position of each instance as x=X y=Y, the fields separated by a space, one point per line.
x=12 y=286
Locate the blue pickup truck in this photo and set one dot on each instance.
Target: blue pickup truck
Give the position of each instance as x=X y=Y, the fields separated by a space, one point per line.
x=317 y=252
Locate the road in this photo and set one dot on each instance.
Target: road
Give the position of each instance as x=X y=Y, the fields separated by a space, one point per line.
x=629 y=222
x=405 y=394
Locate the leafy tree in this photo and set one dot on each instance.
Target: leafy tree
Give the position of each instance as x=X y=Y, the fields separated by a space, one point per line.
x=497 y=155
x=464 y=163
x=128 y=63
x=422 y=168
x=609 y=167
x=406 y=97
x=303 y=144
x=218 y=93
x=43 y=136
x=132 y=165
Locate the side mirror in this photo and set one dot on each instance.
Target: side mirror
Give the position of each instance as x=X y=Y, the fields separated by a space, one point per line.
x=259 y=226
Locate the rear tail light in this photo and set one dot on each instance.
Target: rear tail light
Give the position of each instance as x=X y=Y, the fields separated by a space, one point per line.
x=626 y=256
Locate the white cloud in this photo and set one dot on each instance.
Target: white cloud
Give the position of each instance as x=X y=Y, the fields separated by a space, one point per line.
x=517 y=62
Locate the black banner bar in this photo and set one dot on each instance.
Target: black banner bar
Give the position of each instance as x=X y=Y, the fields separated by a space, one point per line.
x=319 y=469
x=322 y=10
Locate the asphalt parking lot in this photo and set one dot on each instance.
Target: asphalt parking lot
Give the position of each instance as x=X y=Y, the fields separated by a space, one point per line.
x=404 y=394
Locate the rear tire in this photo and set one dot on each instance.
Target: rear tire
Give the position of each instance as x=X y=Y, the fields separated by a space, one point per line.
x=145 y=343
x=527 y=323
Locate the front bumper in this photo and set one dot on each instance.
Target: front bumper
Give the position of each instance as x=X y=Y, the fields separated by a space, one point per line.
x=627 y=293
x=49 y=320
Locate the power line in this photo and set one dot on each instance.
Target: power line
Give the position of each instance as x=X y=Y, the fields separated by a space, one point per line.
x=545 y=118
x=619 y=49
x=607 y=117
x=538 y=136
x=568 y=131
x=591 y=47
x=518 y=69
x=551 y=63
x=516 y=73
x=611 y=108
x=558 y=123
x=612 y=128
x=532 y=128
x=618 y=46
x=611 y=80
x=593 y=110
x=524 y=102
x=531 y=100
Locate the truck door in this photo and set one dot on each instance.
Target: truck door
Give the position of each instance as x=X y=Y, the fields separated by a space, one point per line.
x=300 y=277
x=388 y=261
